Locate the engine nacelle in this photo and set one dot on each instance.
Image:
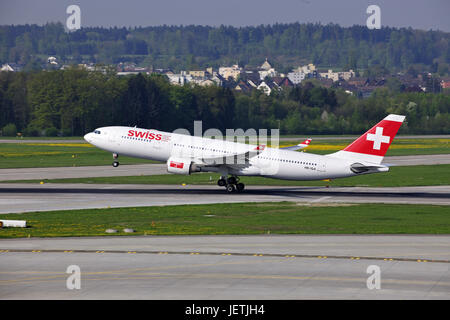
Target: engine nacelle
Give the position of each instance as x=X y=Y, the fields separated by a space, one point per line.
x=181 y=166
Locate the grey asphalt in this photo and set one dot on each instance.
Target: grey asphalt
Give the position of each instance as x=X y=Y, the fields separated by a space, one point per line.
x=153 y=169
x=81 y=172
x=16 y=198
x=227 y=267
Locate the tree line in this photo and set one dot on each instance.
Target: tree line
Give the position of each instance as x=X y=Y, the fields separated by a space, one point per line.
x=73 y=102
x=191 y=47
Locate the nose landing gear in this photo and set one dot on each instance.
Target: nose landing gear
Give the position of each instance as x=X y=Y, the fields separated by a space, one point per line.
x=115 y=164
x=231 y=184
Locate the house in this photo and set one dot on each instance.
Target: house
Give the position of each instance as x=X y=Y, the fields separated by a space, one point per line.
x=336 y=76
x=179 y=78
x=307 y=69
x=267 y=87
x=230 y=72
x=198 y=73
x=282 y=82
x=52 y=60
x=445 y=83
x=251 y=77
x=266 y=66
x=11 y=67
x=243 y=86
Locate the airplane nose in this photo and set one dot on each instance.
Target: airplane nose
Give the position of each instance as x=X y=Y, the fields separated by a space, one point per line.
x=88 y=137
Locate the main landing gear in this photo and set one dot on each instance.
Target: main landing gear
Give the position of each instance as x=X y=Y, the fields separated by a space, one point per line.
x=231 y=184
x=115 y=164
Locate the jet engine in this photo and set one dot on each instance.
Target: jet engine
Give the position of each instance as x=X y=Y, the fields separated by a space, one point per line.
x=181 y=166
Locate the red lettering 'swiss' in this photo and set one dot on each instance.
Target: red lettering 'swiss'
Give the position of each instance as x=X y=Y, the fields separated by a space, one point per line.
x=146 y=135
x=140 y=134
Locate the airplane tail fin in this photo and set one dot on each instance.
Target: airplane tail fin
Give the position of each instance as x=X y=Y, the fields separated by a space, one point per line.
x=372 y=145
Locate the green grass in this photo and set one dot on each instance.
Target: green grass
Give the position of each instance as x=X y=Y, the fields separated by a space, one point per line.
x=37 y=155
x=238 y=218
x=396 y=177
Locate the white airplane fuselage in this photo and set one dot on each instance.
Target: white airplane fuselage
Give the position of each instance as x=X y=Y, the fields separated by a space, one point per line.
x=270 y=162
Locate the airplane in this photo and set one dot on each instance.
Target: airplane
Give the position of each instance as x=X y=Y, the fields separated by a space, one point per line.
x=301 y=145
x=185 y=154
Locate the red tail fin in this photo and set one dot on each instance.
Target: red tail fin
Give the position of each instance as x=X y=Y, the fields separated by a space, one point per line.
x=373 y=144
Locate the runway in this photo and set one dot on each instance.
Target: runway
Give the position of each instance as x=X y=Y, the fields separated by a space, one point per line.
x=16 y=198
x=155 y=169
x=81 y=172
x=227 y=267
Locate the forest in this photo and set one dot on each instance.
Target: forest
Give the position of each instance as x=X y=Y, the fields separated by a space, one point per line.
x=75 y=101
x=192 y=47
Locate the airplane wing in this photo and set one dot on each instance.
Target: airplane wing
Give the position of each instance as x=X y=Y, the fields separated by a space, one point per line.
x=301 y=145
x=231 y=160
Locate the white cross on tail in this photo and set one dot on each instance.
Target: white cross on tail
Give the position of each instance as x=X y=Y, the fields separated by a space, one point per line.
x=378 y=138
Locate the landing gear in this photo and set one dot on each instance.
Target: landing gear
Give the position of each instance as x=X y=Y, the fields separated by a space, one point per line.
x=222 y=182
x=115 y=164
x=231 y=188
x=231 y=184
x=240 y=187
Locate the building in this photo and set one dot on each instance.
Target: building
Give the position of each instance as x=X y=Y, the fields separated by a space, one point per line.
x=336 y=76
x=198 y=73
x=179 y=78
x=230 y=72
x=445 y=83
x=267 y=87
x=266 y=65
x=52 y=60
x=282 y=82
x=296 y=77
x=310 y=68
x=11 y=67
x=266 y=70
x=243 y=86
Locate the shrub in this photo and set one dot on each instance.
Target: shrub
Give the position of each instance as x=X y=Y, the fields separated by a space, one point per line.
x=51 y=132
x=10 y=130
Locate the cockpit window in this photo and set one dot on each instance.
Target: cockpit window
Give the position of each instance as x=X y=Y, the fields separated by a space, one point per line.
x=97 y=132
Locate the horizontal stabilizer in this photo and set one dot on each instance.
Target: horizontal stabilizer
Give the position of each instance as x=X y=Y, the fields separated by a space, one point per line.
x=360 y=168
x=299 y=146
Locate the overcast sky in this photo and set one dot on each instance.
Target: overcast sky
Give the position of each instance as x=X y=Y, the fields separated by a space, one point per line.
x=418 y=14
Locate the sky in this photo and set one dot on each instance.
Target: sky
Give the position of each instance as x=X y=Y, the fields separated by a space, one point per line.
x=418 y=14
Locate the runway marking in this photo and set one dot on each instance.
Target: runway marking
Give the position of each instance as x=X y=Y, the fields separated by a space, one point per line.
x=160 y=275
x=320 y=199
x=284 y=255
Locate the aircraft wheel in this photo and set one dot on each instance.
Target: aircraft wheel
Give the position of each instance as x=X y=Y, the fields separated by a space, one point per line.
x=240 y=187
x=115 y=164
x=230 y=188
x=232 y=180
